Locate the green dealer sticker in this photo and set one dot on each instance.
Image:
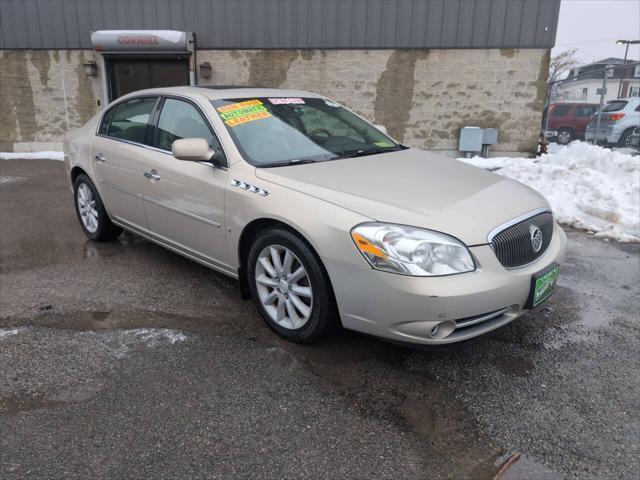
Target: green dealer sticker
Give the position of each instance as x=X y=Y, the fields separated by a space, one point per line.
x=544 y=286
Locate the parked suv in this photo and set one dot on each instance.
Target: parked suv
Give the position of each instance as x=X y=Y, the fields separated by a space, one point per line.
x=570 y=120
x=618 y=120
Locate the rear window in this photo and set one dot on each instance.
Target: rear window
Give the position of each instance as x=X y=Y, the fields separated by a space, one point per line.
x=128 y=120
x=614 y=106
x=560 y=110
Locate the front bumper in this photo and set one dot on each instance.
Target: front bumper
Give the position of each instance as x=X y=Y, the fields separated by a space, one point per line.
x=406 y=309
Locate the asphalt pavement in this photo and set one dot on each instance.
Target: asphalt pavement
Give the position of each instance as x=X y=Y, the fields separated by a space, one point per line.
x=124 y=360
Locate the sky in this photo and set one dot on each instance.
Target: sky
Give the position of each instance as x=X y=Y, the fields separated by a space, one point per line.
x=593 y=26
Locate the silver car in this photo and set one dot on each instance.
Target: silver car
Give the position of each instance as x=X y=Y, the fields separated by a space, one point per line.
x=618 y=121
x=323 y=218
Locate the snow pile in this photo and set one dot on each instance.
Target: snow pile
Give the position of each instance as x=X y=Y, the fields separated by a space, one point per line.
x=46 y=155
x=589 y=187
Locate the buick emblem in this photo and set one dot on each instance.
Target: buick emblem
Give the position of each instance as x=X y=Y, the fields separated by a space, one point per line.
x=536 y=238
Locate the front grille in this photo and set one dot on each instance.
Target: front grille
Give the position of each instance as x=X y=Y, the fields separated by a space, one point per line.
x=513 y=245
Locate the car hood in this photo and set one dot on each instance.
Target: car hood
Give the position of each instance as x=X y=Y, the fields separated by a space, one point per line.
x=414 y=187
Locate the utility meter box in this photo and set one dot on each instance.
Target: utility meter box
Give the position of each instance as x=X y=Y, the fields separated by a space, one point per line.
x=471 y=139
x=490 y=136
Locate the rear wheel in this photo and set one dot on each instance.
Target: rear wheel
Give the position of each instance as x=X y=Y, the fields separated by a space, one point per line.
x=290 y=287
x=565 y=135
x=625 y=139
x=93 y=217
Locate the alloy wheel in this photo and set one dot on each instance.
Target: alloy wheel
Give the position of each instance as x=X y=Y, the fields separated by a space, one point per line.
x=87 y=208
x=564 y=137
x=283 y=287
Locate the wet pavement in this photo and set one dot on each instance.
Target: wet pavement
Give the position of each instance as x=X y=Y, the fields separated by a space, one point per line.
x=123 y=360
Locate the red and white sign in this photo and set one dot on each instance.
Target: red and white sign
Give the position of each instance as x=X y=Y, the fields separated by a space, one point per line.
x=141 y=40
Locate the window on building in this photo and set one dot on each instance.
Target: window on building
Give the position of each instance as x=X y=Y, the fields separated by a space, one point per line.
x=636 y=71
x=599 y=91
x=634 y=91
x=610 y=71
x=180 y=119
x=128 y=120
x=585 y=91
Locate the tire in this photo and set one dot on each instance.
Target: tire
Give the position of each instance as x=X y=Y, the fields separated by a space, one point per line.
x=279 y=302
x=93 y=217
x=565 y=136
x=623 y=141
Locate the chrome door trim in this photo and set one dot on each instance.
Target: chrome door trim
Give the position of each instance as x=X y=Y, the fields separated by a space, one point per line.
x=513 y=221
x=182 y=212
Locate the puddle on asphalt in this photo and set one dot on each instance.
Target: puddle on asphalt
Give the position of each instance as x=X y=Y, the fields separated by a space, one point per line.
x=370 y=376
x=14 y=404
x=102 y=320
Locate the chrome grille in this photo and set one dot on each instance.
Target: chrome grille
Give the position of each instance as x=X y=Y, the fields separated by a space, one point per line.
x=513 y=245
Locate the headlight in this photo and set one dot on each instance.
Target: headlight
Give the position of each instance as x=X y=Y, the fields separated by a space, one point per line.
x=410 y=250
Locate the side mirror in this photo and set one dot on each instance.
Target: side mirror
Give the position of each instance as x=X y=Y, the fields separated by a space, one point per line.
x=382 y=128
x=193 y=150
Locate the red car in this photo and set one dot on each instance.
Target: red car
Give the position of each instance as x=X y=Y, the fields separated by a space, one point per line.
x=570 y=120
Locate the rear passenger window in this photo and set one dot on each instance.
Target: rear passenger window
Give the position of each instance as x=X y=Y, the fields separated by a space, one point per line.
x=178 y=120
x=560 y=110
x=129 y=120
x=585 y=111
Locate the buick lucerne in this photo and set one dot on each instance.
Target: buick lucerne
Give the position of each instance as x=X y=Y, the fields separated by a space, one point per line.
x=324 y=218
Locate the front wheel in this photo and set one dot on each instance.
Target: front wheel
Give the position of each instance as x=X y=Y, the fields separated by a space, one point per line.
x=565 y=136
x=290 y=287
x=93 y=217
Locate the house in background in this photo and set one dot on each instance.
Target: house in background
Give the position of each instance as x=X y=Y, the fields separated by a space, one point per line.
x=584 y=84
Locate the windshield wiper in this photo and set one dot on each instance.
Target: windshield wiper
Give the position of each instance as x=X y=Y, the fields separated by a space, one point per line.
x=368 y=151
x=296 y=161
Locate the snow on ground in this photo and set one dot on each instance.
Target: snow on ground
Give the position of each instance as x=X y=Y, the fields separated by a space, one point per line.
x=9 y=332
x=5 y=179
x=589 y=187
x=46 y=155
x=120 y=342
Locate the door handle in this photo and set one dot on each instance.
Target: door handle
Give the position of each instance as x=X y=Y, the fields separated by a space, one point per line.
x=100 y=157
x=152 y=175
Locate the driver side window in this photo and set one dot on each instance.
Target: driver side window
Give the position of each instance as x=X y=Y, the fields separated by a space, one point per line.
x=179 y=119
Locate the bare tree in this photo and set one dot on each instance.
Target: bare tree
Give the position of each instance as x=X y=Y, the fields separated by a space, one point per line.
x=561 y=64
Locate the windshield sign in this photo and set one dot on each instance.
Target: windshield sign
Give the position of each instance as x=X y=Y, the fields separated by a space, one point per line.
x=278 y=131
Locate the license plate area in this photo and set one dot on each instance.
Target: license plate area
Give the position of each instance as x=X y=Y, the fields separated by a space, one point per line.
x=543 y=285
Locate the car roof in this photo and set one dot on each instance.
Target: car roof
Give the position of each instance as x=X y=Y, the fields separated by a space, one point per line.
x=221 y=92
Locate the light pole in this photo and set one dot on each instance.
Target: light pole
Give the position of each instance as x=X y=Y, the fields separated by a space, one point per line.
x=624 y=64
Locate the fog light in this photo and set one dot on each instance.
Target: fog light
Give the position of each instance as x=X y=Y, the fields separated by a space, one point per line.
x=442 y=329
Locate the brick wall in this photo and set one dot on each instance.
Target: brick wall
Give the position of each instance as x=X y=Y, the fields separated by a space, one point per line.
x=423 y=96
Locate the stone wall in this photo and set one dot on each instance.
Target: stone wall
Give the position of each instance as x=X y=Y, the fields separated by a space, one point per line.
x=43 y=93
x=422 y=96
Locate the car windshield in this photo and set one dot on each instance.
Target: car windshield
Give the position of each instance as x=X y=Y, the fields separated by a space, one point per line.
x=278 y=131
x=614 y=106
